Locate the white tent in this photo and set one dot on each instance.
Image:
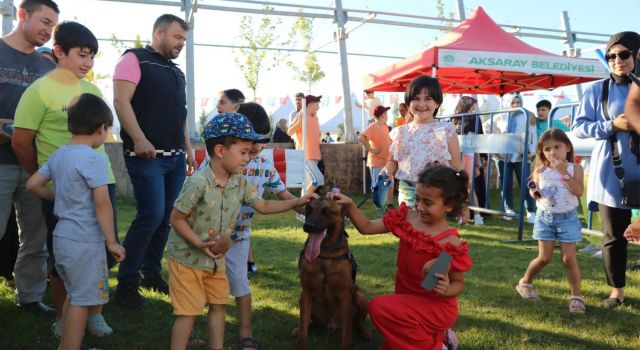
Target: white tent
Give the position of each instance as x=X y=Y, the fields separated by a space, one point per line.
x=282 y=112
x=330 y=120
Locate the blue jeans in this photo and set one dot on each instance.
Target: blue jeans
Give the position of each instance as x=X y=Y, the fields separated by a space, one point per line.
x=564 y=227
x=507 y=181
x=156 y=185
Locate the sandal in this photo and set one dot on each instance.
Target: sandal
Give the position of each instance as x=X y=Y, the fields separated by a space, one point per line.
x=450 y=340
x=98 y=327
x=526 y=291
x=611 y=303
x=56 y=328
x=248 y=343
x=194 y=340
x=577 y=305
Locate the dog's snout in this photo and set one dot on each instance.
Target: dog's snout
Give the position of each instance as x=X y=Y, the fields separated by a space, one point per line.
x=309 y=226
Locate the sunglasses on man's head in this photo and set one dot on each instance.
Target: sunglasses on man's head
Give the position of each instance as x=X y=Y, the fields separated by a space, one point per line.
x=622 y=54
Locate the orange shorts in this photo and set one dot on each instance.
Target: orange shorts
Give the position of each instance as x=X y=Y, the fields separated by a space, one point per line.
x=191 y=290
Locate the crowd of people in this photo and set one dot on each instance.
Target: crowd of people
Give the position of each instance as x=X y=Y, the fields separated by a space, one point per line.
x=56 y=177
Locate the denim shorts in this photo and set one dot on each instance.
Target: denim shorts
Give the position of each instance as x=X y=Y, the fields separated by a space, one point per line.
x=564 y=227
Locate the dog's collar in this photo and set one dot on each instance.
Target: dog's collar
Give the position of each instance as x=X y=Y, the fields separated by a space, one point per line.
x=342 y=241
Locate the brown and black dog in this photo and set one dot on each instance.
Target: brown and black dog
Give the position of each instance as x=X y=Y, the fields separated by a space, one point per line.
x=327 y=268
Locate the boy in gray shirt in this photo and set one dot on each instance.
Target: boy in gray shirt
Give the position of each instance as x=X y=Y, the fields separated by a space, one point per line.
x=85 y=217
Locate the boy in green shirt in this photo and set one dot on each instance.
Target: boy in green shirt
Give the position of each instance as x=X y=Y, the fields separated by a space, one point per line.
x=203 y=218
x=41 y=115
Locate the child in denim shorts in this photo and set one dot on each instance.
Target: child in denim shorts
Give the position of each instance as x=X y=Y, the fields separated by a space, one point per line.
x=557 y=183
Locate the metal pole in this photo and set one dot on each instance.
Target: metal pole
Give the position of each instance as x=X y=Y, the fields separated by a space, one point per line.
x=8 y=14
x=569 y=42
x=341 y=19
x=191 y=85
x=460 y=7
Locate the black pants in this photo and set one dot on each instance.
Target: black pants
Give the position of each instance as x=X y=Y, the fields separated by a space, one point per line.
x=614 y=222
x=9 y=247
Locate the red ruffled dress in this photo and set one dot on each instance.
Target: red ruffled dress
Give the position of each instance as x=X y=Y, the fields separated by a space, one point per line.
x=414 y=318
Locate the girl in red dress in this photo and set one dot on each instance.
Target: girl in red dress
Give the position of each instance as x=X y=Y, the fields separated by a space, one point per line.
x=413 y=317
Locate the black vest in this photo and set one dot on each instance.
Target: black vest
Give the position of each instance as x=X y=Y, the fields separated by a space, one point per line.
x=159 y=102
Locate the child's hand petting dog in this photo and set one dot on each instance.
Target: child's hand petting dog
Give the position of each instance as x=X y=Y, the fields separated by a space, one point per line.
x=117 y=251
x=340 y=198
x=302 y=201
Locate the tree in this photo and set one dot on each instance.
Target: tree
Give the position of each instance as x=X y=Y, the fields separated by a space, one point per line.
x=202 y=121
x=253 y=59
x=309 y=72
x=120 y=45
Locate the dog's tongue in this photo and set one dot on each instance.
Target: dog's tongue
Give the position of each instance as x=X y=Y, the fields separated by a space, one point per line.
x=312 y=250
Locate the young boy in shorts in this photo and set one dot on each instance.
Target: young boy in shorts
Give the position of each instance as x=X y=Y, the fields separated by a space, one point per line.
x=85 y=217
x=41 y=116
x=205 y=213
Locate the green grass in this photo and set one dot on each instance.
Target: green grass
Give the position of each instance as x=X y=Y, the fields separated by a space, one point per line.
x=492 y=315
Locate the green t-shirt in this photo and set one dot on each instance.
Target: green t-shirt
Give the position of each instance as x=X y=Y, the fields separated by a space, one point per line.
x=43 y=108
x=211 y=207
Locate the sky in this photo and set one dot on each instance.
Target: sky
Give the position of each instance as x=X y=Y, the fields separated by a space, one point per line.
x=215 y=68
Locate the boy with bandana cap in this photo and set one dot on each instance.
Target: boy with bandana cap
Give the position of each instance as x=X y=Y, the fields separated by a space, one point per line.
x=204 y=213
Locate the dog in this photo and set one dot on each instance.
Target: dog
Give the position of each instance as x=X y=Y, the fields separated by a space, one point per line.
x=330 y=296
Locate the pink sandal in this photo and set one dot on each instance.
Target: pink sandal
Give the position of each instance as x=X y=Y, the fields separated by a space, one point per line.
x=526 y=291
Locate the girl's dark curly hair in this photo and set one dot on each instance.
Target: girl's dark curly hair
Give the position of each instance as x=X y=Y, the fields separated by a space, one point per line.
x=453 y=184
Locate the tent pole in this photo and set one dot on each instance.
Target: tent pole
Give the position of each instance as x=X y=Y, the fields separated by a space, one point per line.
x=460 y=8
x=569 y=42
x=364 y=151
x=305 y=182
x=341 y=36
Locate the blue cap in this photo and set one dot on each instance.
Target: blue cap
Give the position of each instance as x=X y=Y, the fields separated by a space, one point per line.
x=231 y=124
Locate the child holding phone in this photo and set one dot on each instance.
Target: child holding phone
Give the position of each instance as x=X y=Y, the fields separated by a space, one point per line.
x=556 y=185
x=413 y=317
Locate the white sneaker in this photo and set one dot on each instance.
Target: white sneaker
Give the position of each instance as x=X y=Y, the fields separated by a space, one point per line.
x=531 y=217
x=597 y=254
x=478 y=220
x=589 y=249
x=511 y=212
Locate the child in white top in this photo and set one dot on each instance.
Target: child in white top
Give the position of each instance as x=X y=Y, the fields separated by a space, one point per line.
x=423 y=141
x=557 y=183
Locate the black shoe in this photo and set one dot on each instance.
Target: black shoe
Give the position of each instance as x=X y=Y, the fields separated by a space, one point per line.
x=251 y=267
x=128 y=297
x=155 y=283
x=38 y=308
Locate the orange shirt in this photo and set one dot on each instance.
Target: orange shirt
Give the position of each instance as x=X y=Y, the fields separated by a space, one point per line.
x=378 y=136
x=313 y=137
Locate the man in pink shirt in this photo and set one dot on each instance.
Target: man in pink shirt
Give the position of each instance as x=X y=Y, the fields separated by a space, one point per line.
x=150 y=101
x=314 y=177
x=376 y=141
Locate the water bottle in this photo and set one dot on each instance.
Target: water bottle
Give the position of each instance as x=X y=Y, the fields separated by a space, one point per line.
x=8 y=128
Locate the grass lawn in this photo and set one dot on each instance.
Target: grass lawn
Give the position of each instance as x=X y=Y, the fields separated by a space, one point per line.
x=492 y=315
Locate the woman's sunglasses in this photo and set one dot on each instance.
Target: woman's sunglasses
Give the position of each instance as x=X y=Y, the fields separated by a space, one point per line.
x=622 y=54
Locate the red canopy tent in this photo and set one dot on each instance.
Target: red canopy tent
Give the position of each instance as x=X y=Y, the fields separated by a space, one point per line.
x=479 y=57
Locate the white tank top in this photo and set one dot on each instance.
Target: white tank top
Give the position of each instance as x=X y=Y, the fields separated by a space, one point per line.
x=556 y=197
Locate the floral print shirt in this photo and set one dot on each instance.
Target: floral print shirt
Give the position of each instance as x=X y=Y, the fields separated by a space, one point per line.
x=211 y=208
x=414 y=145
